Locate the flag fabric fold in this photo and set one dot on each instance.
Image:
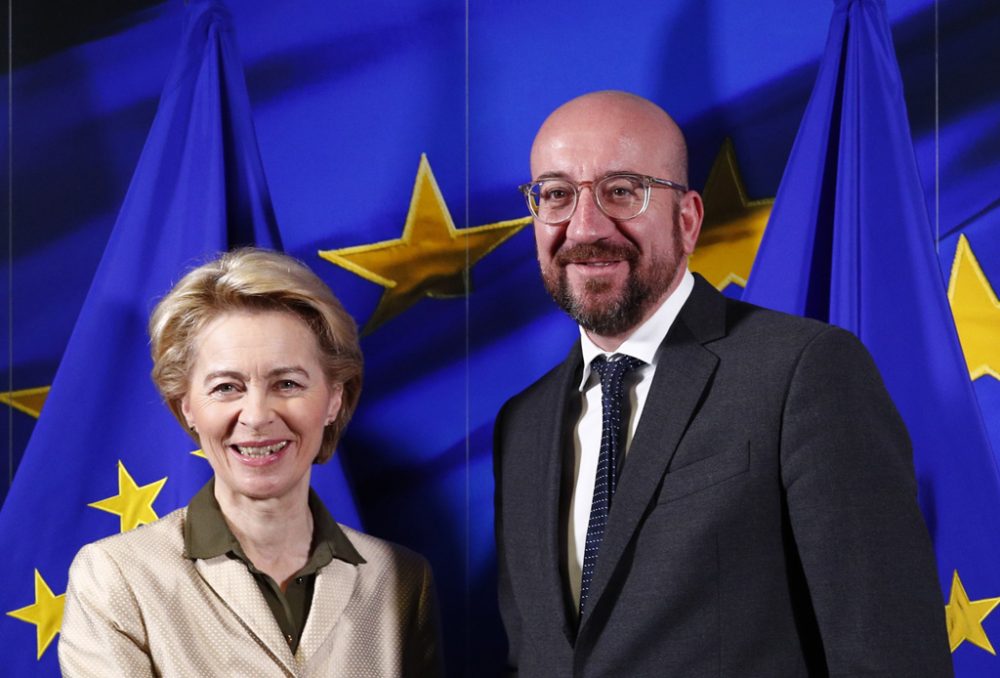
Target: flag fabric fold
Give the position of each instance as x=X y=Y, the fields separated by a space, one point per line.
x=106 y=454
x=849 y=241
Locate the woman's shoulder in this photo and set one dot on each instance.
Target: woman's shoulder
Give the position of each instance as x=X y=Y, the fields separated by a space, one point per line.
x=382 y=552
x=153 y=540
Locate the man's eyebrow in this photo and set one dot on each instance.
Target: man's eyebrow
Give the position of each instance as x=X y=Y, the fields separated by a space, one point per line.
x=562 y=175
x=551 y=175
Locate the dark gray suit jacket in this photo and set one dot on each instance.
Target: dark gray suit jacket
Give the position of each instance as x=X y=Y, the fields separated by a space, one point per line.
x=765 y=522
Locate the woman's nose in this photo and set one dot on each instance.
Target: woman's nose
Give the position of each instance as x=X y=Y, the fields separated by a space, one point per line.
x=257 y=411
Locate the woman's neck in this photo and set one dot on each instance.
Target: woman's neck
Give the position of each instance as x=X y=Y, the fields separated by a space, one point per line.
x=275 y=534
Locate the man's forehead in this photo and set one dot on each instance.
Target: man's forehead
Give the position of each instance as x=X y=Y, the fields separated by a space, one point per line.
x=583 y=153
x=606 y=132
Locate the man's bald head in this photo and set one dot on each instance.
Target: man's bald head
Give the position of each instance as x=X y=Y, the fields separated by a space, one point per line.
x=618 y=117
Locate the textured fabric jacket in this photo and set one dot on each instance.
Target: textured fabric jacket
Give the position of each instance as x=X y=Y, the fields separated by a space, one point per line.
x=765 y=521
x=136 y=606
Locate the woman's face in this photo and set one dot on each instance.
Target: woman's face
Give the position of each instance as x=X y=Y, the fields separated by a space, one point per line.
x=258 y=400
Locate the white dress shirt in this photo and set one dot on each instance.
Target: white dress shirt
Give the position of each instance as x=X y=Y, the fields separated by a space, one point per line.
x=643 y=344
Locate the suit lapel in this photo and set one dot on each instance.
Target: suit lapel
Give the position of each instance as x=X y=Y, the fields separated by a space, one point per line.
x=237 y=591
x=557 y=408
x=335 y=584
x=683 y=373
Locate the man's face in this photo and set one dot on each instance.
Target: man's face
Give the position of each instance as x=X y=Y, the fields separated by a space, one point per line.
x=610 y=275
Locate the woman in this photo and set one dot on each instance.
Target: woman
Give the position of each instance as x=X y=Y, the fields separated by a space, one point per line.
x=259 y=361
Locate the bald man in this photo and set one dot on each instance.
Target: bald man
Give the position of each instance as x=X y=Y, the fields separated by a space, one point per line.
x=703 y=487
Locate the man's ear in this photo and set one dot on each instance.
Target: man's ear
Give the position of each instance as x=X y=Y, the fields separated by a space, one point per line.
x=692 y=213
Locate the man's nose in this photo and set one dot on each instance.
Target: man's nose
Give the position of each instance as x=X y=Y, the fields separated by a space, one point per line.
x=588 y=223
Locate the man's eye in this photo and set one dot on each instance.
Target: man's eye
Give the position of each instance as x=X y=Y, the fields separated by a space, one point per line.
x=620 y=189
x=556 y=194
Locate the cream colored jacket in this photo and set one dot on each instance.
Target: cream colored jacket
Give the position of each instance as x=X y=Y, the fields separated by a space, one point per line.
x=136 y=606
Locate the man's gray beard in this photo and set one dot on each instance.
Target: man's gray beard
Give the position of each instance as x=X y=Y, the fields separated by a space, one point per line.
x=620 y=314
x=641 y=291
x=617 y=317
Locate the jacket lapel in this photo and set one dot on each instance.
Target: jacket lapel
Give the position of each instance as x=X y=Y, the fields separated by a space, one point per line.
x=335 y=584
x=237 y=591
x=558 y=408
x=683 y=372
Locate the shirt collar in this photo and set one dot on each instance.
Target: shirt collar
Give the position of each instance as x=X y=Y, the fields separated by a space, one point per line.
x=644 y=342
x=206 y=534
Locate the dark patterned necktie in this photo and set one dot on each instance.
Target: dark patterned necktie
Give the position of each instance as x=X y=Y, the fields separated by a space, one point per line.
x=612 y=372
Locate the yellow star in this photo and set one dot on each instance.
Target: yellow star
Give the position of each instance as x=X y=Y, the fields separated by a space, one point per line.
x=28 y=400
x=45 y=613
x=133 y=504
x=977 y=312
x=432 y=259
x=733 y=224
x=965 y=617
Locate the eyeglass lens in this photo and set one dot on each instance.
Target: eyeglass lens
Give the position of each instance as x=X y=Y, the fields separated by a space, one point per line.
x=619 y=197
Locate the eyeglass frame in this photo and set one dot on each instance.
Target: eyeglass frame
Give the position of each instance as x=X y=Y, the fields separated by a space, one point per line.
x=648 y=182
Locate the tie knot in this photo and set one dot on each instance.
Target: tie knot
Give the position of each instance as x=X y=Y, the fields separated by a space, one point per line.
x=613 y=369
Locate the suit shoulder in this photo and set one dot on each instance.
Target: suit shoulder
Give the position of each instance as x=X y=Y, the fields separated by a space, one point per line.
x=762 y=341
x=749 y=321
x=545 y=387
x=740 y=313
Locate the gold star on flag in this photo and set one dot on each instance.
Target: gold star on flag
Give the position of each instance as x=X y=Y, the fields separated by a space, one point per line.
x=733 y=226
x=976 y=310
x=965 y=617
x=133 y=504
x=28 y=400
x=431 y=259
x=45 y=613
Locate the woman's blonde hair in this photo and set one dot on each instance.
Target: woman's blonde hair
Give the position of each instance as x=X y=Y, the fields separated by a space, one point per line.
x=254 y=280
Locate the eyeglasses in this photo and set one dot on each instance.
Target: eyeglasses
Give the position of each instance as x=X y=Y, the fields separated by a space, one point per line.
x=620 y=196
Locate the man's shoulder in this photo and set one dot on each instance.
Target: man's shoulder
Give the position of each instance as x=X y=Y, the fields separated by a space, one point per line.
x=763 y=339
x=742 y=315
x=546 y=387
x=752 y=325
x=709 y=317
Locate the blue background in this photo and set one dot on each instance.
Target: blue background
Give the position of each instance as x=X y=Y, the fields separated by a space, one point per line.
x=346 y=96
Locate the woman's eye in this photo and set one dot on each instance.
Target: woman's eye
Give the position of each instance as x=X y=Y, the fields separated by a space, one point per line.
x=224 y=389
x=288 y=385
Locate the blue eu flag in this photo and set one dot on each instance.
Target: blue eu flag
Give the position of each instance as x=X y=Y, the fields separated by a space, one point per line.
x=849 y=241
x=106 y=455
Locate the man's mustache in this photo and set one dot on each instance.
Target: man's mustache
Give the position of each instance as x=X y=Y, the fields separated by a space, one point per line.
x=591 y=251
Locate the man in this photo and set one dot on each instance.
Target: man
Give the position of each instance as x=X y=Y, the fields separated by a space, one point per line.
x=741 y=500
